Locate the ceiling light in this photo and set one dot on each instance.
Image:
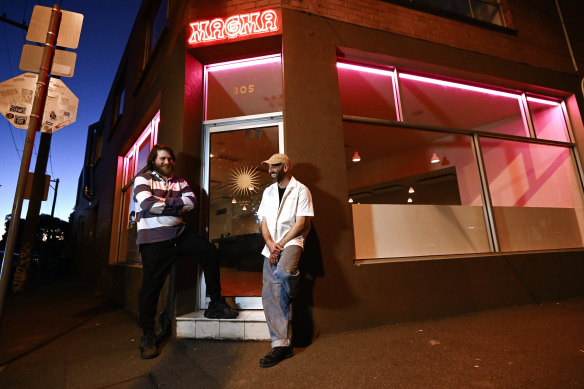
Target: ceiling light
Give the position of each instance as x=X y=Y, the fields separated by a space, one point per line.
x=356 y=157
x=411 y=190
x=350 y=199
x=410 y=200
x=434 y=158
x=233 y=201
x=244 y=208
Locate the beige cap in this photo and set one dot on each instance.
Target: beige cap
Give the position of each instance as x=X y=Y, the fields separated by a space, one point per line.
x=278 y=158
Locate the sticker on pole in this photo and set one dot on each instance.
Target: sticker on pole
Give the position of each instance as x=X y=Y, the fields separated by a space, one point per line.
x=17 y=95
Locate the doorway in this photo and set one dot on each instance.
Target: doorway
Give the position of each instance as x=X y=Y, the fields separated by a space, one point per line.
x=234 y=180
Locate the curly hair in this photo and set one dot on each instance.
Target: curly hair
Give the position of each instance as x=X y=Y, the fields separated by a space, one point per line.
x=154 y=154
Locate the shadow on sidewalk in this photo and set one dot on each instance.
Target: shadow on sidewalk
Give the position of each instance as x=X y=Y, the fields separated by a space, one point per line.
x=38 y=316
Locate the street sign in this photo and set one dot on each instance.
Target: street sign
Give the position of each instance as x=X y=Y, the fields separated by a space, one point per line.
x=28 y=187
x=69 y=31
x=16 y=98
x=63 y=61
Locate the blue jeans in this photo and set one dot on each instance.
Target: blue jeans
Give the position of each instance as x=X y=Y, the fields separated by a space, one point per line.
x=279 y=286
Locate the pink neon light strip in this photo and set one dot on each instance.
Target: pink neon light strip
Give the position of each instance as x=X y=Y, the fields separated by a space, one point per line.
x=541 y=101
x=365 y=69
x=244 y=63
x=457 y=85
x=151 y=132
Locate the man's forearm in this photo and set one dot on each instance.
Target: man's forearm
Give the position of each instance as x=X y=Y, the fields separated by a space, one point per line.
x=295 y=231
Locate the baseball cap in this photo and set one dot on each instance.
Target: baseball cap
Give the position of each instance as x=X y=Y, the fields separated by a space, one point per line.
x=278 y=158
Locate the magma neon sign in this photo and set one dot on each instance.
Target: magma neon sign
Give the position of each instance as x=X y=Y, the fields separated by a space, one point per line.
x=253 y=23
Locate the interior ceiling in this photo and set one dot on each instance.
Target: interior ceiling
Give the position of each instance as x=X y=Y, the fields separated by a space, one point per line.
x=381 y=141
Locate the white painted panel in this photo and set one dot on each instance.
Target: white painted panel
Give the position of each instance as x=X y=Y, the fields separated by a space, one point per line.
x=398 y=230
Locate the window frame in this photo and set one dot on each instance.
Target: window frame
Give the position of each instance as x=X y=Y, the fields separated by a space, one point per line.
x=438 y=11
x=477 y=136
x=128 y=170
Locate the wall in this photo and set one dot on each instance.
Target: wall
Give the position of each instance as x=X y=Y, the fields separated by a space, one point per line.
x=370 y=295
x=534 y=57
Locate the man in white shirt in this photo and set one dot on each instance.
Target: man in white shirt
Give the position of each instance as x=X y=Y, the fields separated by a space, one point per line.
x=285 y=210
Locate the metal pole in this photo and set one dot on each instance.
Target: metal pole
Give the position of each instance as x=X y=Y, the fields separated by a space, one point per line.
x=55 y=197
x=27 y=240
x=34 y=125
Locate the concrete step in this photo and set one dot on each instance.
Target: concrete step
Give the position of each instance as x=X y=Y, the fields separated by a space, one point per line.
x=249 y=325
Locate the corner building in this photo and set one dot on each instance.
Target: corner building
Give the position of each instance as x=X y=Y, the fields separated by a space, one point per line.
x=441 y=141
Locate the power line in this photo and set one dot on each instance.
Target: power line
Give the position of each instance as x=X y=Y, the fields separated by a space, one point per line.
x=51 y=163
x=14 y=141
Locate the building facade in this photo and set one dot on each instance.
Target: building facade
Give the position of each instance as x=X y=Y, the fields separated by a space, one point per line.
x=441 y=141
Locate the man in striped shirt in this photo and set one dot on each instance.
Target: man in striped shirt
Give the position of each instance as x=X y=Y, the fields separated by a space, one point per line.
x=160 y=199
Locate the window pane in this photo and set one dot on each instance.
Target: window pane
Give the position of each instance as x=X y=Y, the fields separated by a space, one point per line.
x=430 y=101
x=130 y=166
x=486 y=12
x=366 y=92
x=128 y=247
x=244 y=88
x=445 y=214
x=158 y=24
x=536 y=195
x=457 y=6
x=144 y=150
x=548 y=120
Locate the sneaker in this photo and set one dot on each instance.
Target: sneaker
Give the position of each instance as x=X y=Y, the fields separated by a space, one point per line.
x=220 y=310
x=148 y=347
x=276 y=355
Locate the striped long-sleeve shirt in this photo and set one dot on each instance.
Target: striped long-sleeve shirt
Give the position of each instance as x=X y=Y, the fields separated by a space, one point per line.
x=159 y=204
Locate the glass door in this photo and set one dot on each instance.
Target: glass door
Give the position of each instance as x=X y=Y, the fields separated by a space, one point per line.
x=236 y=179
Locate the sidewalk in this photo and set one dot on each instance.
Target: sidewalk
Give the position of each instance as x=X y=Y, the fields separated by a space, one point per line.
x=63 y=336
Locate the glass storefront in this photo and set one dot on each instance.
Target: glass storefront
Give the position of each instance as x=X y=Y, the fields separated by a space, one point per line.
x=456 y=168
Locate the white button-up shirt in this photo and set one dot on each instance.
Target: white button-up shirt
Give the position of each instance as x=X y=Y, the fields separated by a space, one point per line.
x=280 y=217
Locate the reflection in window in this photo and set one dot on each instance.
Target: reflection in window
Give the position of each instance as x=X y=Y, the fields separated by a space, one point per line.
x=247 y=87
x=429 y=101
x=548 y=119
x=413 y=204
x=536 y=195
x=237 y=179
x=485 y=10
x=402 y=177
x=133 y=163
x=366 y=91
x=158 y=24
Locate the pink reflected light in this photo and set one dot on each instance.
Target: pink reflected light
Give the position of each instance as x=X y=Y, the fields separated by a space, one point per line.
x=542 y=101
x=131 y=157
x=244 y=63
x=457 y=85
x=342 y=65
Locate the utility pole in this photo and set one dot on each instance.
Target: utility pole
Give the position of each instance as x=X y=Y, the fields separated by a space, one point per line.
x=27 y=246
x=40 y=98
x=55 y=196
x=34 y=204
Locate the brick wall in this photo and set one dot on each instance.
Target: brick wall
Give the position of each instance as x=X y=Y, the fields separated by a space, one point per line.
x=535 y=35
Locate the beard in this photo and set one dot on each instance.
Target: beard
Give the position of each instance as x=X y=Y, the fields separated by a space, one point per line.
x=164 y=170
x=278 y=176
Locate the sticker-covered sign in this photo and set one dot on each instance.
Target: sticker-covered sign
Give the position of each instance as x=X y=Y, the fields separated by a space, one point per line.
x=16 y=98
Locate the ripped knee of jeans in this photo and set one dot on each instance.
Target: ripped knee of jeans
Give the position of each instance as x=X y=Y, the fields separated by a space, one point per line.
x=287 y=273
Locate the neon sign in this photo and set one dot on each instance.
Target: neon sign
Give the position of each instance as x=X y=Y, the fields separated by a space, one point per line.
x=235 y=26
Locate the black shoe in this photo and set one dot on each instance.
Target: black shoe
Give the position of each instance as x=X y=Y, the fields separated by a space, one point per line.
x=220 y=310
x=148 y=347
x=277 y=355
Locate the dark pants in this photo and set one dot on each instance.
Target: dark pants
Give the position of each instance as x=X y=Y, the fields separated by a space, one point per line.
x=157 y=260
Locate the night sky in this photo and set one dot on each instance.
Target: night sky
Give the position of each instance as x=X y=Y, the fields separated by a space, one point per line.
x=106 y=28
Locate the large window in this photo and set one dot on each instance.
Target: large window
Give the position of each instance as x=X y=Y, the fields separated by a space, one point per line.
x=488 y=11
x=245 y=87
x=134 y=162
x=456 y=168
